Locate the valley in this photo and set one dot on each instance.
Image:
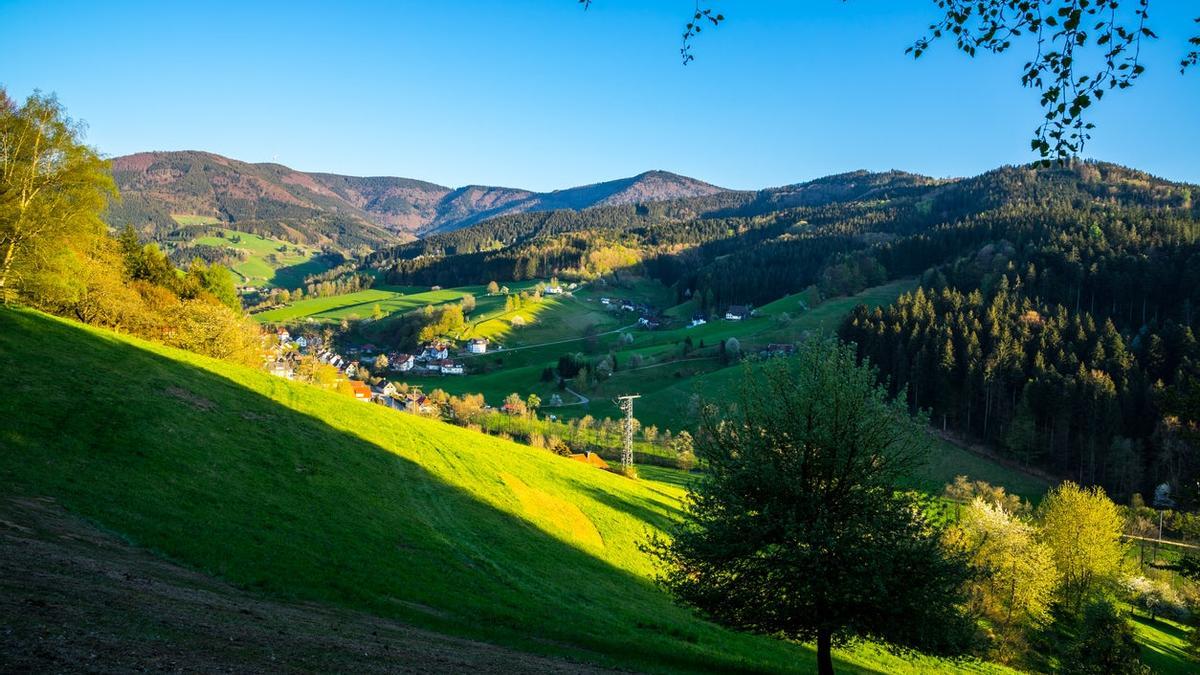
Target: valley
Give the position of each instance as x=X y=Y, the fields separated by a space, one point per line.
x=600 y=337
x=285 y=400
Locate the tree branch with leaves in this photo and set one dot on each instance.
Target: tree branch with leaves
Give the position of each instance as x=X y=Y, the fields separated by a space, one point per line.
x=1080 y=50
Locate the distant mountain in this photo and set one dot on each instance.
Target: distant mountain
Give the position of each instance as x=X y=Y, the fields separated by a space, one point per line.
x=164 y=191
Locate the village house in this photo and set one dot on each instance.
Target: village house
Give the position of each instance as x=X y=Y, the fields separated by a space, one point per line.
x=627 y=306
x=282 y=368
x=362 y=392
x=302 y=342
x=403 y=362
x=554 y=290
x=477 y=346
x=416 y=402
x=737 y=313
x=698 y=320
x=448 y=367
x=388 y=389
x=606 y=301
x=435 y=351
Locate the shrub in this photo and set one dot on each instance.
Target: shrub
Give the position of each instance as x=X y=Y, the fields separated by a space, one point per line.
x=1155 y=597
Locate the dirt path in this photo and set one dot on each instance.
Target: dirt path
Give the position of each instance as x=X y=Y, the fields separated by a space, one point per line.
x=75 y=599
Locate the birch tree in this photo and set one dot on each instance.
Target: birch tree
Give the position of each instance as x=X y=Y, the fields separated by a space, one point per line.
x=53 y=190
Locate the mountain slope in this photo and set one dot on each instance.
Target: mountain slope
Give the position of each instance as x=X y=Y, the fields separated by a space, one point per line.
x=160 y=191
x=163 y=190
x=298 y=493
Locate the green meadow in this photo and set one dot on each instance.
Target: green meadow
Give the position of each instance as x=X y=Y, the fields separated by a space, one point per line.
x=265 y=265
x=290 y=491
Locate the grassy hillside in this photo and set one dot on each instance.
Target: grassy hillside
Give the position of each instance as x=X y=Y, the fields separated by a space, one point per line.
x=265 y=264
x=298 y=493
x=490 y=319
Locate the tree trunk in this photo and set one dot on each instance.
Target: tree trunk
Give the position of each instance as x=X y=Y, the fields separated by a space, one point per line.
x=824 y=652
x=6 y=269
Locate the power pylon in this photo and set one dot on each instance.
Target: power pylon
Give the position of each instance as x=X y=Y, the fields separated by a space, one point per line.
x=626 y=405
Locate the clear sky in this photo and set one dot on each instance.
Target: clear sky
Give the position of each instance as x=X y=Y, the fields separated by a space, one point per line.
x=540 y=94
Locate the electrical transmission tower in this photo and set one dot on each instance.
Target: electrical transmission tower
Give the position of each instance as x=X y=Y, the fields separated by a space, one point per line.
x=626 y=405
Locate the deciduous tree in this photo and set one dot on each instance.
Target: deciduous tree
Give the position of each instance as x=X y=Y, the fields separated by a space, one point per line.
x=798 y=527
x=1082 y=528
x=53 y=189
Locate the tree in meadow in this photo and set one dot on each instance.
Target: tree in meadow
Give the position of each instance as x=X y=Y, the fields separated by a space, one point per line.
x=799 y=528
x=1083 y=527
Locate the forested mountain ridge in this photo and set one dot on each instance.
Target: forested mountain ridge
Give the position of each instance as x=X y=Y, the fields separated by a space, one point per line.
x=1055 y=319
x=162 y=191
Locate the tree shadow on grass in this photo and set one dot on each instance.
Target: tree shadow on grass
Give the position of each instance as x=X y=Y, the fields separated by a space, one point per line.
x=244 y=481
x=1162 y=657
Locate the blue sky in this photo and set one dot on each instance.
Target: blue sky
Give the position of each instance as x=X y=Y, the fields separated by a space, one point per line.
x=540 y=94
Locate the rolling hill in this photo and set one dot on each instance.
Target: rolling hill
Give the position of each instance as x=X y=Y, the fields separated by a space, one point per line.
x=290 y=493
x=162 y=191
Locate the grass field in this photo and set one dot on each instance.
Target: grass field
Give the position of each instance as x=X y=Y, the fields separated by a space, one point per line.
x=293 y=492
x=1164 y=645
x=288 y=269
x=489 y=319
x=194 y=219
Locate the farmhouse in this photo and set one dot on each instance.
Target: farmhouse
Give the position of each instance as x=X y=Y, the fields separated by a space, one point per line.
x=403 y=362
x=448 y=367
x=698 y=320
x=436 y=351
x=362 y=392
x=477 y=346
x=554 y=290
x=737 y=313
x=282 y=368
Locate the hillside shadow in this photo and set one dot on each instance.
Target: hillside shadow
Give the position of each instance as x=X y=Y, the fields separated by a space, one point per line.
x=225 y=479
x=292 y=276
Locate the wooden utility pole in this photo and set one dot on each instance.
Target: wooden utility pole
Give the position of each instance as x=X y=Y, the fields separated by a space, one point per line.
x=626 y=405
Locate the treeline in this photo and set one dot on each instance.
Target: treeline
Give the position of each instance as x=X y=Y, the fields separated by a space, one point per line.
x=212 y=255
x=1049 y=385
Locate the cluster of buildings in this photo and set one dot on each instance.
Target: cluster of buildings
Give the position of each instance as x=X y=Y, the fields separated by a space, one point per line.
x=648 y=316
x=284 y=356
x=435 y=358
x=734 y=313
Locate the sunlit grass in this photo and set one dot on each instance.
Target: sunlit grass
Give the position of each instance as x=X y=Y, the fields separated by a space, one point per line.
x=299 y=493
